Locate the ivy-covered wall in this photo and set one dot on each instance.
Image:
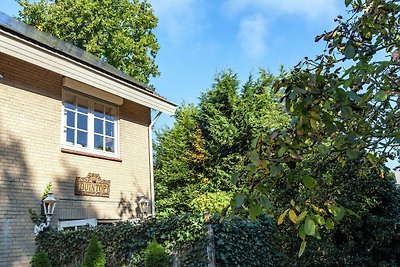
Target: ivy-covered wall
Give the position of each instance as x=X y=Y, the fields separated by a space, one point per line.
x=237 y=243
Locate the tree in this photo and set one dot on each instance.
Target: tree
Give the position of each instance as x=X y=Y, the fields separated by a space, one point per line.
x=179 y=163
x=117 y=31
x=343 y=106
x=94 y=254
x=195 y=158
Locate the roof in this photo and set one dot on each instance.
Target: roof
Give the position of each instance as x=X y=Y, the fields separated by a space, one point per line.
x=50 y=42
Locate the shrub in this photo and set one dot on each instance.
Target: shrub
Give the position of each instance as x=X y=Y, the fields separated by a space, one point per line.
x=41 y=259
x=155 y=255
x=94 y=254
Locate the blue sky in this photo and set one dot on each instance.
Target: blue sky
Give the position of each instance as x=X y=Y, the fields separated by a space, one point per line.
x=199 y=38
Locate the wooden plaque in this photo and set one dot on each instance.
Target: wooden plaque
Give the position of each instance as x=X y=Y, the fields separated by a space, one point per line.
x=92 y=185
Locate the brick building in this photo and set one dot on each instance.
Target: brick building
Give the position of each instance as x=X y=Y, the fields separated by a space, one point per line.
x=70 y=119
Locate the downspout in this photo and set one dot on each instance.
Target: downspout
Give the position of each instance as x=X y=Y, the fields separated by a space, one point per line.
x=153 y=206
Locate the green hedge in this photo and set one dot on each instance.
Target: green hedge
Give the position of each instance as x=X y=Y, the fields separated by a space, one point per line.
x=247 y=243
x=237 y=242
x=368 y=241
x=123 y=240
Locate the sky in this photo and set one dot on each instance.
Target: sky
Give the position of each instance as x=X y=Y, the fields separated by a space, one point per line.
x=200 y=38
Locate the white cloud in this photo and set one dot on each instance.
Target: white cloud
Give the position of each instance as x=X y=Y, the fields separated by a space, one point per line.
x=252 y=35
x=180 y=19
x=312 y=9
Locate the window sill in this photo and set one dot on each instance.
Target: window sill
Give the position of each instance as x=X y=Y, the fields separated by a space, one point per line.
x=91 y=155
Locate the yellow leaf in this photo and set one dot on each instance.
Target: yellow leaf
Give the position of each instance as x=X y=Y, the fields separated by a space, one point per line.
x=282 y=217
x=292 y=203
x=293 y=216
x=313 y=124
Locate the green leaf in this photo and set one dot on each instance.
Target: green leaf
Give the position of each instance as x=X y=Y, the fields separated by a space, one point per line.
x=329 y=224
x=266 y=202
x=302 y=216
x=349 y=51
x=352 y=213
x=338 y=213
x=309 y=182
x=238 y=201
x=235 y=177
x=348 y=2
x=282 y=151
x=323 y=149
x=254 y=211
x=309 y=227
x=381 y=96
x=254 y=156
x=352 y=154
x=320 y=219
x=302 y=248
x=302 y=233
x=353 y=95
x=293 y=216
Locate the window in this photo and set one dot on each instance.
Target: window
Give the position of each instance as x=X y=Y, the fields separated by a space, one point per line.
x=89 y=125
x=75 y=224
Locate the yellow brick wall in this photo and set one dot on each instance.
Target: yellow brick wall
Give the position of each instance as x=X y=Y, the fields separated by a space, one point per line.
x=30 y=157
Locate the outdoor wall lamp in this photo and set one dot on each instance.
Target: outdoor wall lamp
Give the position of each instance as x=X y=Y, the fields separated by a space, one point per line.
x=48 y=206
x=143 y=205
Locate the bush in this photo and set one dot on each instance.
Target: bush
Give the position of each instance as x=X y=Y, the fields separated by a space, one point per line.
x=94 y=254
x=41 y=259
x=155 y=255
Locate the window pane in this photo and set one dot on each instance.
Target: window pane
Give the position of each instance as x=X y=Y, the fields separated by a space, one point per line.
x=70 y=118
x=110 y=113
x=98 y=142
x=98 y=126
x=82 y=121
x=83 y=105
x=99 y=110
x=69 y=101
x=82 y=138
x=109 y=128
x=70 y=135
x=109 y=144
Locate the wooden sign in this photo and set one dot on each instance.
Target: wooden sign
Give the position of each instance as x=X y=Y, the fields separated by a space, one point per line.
x=92 y=185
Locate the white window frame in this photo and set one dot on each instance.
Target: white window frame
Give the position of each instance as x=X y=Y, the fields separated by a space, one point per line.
x=76 y=223
x=90 y=127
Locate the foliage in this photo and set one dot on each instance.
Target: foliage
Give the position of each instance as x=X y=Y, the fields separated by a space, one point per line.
x=94 y=254
x=211 y=202
x=117 y=31
x=124 y=241
x=155 y=255
x=344 y=107
x=241 y=242
x=368 y=237
x=195 y=158
x=41 y=259
x=238 y=241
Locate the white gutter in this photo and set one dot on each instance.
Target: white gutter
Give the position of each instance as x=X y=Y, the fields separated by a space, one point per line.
x=153 y=202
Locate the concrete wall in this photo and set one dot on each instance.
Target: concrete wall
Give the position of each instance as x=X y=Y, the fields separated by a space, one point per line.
x=31 y=157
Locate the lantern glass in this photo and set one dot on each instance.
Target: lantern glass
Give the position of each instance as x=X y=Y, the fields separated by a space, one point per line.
x=143 y=204
x=49 y=204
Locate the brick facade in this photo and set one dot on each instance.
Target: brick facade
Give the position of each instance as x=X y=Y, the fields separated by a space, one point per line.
x=31 y=157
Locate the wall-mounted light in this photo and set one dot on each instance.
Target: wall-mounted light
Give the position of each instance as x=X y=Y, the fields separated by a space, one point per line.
x=143 y=204
x=49 y=204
